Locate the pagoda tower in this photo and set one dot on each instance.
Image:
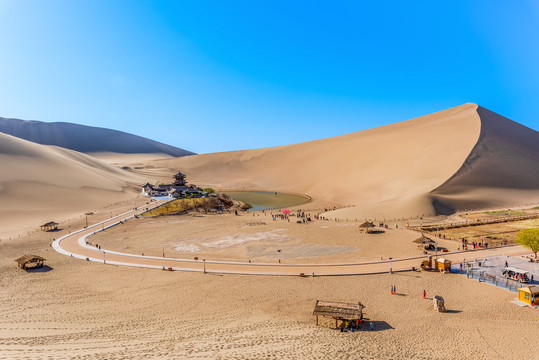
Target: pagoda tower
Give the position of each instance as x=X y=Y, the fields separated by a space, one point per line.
x=179 y=179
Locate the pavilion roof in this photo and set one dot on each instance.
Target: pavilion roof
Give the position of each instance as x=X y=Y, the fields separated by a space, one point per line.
x=28 y=258
x=348 y=311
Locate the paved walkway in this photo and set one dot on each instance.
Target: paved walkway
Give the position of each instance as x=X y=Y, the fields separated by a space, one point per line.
x=75 y=245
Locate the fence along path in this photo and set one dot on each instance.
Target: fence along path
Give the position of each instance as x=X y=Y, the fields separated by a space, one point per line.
x=75 y=245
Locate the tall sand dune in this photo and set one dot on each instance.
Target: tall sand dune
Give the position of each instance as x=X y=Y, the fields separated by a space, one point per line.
x=39 y=183
x=86 y=139
x=501 y=170
x=455 y=159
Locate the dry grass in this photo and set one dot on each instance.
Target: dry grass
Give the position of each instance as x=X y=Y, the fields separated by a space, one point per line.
x=494 y=234
x=175 y=206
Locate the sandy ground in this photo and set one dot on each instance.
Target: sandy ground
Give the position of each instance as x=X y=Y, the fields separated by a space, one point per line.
x=230 y=237
x=81 y=310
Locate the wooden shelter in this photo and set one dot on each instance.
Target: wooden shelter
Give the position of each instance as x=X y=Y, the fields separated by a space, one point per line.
x=366 y=225
x=442 y=264
x=50 y=226
x=424 y=240
x=529 y=294
x=338 y=311
x=30 y=262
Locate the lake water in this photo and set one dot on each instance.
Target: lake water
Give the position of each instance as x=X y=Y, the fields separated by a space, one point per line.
x=262 y=200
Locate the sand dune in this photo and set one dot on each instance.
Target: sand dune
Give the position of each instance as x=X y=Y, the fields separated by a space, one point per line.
x=446 y=161
x=86 y=139
x=501 y=170
x=40 y=183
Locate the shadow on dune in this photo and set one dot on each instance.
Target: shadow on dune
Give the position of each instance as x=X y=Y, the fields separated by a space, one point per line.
x=501 y=170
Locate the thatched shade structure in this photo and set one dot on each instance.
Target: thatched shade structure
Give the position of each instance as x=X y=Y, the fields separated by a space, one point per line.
x=338 y=310
x=424 y=240
x=366 y=225
x=50 y=226
x=33 y=260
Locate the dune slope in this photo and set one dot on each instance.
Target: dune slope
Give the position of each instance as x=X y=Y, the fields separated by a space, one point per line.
x=501 y=170
x=86 y=139
x=40 y=183
x=388 y=171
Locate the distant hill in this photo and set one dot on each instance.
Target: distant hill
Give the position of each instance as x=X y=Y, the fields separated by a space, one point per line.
x=86 y=139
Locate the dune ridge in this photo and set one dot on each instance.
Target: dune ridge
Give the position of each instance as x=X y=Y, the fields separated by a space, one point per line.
x=40 y=183
x=434 y=164
x=86 y=139
x=501 y=170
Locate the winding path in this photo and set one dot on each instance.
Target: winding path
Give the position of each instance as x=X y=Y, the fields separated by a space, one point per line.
x=75 y=245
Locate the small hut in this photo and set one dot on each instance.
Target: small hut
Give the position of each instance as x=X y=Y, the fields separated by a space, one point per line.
x=529 y=294
x=424 y=240
x=30 y=262
x=367 y=225
x=50 y=226
x=443 y=265
x=338 y=311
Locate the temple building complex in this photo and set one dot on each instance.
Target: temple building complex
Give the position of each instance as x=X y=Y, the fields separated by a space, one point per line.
x=178 y=189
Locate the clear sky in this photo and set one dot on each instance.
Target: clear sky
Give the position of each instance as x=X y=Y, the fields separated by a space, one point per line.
x=212 y=76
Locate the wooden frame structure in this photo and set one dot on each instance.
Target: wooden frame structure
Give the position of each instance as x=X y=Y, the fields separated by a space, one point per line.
x=25 y=260
x=338 y=311
x=367 y=225
x=50 y=226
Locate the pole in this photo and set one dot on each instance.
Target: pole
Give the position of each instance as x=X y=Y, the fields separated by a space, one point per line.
x=163 y=250
x=204 y=265
x=104 y=257
x=86 y=220
x=279 y=255
x=390 y=266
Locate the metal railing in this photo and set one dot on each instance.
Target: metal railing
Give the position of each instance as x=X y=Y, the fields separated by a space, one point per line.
x=476 y=272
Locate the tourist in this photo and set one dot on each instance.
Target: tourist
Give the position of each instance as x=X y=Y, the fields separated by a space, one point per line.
x=506 y=265
x=371 y=325
x=424 y=294
x=394 y=289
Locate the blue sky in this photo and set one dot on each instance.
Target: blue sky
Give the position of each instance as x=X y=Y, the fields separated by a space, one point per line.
x=213 y=76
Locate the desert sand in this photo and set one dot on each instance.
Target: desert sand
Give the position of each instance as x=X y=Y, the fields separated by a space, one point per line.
x=437 y=163
x=86 y=139
x=88 y=310
x=40 y=183
x=76 y=309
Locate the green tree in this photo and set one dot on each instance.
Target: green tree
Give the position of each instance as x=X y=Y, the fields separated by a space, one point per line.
x=209 y=190
x=529 y=238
